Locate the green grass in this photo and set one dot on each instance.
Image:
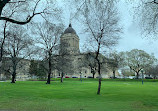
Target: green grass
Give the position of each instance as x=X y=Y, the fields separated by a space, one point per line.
x=72 y=95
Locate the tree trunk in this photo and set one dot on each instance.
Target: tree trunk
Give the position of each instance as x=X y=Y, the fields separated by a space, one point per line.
x=1 y=8
x=99 y=86
x=0 y=63
x=62 y=77
x=48 y=79
x=1 y=53
x=113 y=74
x=93 y=75
x=2 y=4
x=92 y=71
x=137 y=75
x=99 y=67
x=14 y=74
x=13 y=78
x=2 y=44
x=50 y=68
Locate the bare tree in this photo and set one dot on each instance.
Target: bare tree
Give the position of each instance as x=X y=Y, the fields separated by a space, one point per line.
x=2 y=44
x=6 y=68
x=126 y=72
x=3 y=38
x=25 y=8
x=22 y=12
x=146 y=13
x=48 y=39
x=152 y=71
x=138 y=60
x=18 y=45
x=90 y=61
x=101 y=22
x=63 y=61
x=64 y=65
x=37 y=69
x=115 y=61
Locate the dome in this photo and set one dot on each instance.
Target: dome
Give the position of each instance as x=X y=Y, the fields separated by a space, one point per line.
x=70 y=30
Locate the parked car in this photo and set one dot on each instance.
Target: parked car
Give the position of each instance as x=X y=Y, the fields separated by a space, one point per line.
x=67 y=77
x=89 y=77
x=74 y=77
x=58 y=77
x=98 y=77
x=113 y=78
x=148 y=78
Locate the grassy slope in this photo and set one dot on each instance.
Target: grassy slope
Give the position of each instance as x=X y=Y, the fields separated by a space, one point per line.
x=77 y=96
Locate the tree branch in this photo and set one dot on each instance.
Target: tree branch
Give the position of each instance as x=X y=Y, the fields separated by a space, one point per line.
x=20 y=22
x=152 y=2
x=155 y=2
x=18 y=1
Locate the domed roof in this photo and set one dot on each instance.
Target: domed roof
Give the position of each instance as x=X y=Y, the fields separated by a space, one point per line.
x=70 y=30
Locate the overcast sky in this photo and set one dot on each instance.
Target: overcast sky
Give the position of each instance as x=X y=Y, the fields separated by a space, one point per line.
x=130 y=38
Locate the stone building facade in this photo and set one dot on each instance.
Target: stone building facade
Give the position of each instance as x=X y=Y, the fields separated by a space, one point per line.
x=74 y=64
x=69 y=44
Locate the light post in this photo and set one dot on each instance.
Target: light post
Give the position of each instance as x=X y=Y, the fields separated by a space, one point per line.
x=142 y=76
x=81 y=77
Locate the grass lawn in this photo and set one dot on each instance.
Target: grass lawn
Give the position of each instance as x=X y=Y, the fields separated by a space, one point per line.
x=72 y=95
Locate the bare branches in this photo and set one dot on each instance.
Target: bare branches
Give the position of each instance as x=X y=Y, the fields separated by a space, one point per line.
x=36 y=6
x=3 y=41
x=20 y=22
x=138 y=60
x=48 y=36
x=18 y=1
x=146 y=14
x=155 y=2
x=17 y=46
x=29 y=17
x=101 y=22
x=3 y=2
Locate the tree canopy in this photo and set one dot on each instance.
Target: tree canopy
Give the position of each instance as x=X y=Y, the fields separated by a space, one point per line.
x=138 y=60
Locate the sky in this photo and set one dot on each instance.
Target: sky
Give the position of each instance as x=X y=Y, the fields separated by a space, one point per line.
x=131 y=37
